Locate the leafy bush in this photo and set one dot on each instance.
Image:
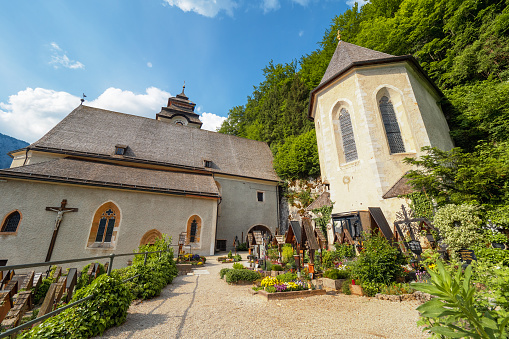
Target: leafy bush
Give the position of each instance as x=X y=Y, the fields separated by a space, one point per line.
x=84 y=279
x=237 y=257
x=335 y=273
x=345 y=250
x=242 y=246
x=286 y=277
x=234 y=276
x=345 y=287
x=230 y=255
x=238 y=266
x=370 y=288
x=452 y=312
x=107 y=308
x=277 y=267
x=459 y=226
x=223 y=271
x=287 y=253
x=270 y=289
x=42 y=290
x=378 y=261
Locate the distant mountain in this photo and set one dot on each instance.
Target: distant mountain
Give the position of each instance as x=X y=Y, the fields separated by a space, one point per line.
x=8 y=144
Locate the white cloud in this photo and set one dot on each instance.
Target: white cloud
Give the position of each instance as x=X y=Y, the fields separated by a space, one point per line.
x=31 y=113
x=211 y=121
x=147 y=105
x=301 y=33
x=208 y=8
x=270 y=5
x=149 y=64
x=60 y=58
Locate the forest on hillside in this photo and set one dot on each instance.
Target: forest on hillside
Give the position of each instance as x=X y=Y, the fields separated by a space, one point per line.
x=463 y=45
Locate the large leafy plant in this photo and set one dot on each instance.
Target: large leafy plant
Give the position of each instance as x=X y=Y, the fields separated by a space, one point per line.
x=452 y=313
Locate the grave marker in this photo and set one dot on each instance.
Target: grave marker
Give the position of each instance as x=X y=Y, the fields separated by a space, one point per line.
x=60 y=289
x=467 y=255
x=5 y=304
x=58 y=273
x=28 y=281
x=47 y=305
x=72 y=279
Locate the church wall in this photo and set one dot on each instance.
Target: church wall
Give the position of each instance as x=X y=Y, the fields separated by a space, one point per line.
x=240 y=210
x=140 y=212
x=360 y=184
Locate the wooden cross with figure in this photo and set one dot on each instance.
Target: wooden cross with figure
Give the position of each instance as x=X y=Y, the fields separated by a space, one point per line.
x=60 y=214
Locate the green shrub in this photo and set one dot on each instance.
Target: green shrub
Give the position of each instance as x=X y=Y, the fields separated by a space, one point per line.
x=223 y=271
x=238 y=266
x=234 y=276
x=287 y=253
x=230 y=255
x=108 y=308
x=335 y=273
x=277 y=267
x=345 y=250
x=370 y=288
x=378 y=261
x=84 y=279
x=270 y=289
x=286 y=277
x=242 y=247
x=42 y=290
x=345 y=287
x=237 y=257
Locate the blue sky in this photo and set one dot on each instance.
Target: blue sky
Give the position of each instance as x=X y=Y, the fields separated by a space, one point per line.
x=129 y=56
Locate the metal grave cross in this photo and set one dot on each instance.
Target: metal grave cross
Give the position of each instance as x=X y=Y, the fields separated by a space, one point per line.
x=60 y=214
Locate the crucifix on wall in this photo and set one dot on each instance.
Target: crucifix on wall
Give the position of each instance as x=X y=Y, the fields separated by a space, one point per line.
x=60 y=214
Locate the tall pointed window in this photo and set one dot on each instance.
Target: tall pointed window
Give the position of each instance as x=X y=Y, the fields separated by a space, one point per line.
x=391 y=126
x=11 y=222
x=349 y=147
x=193 y=230
x=106 y=220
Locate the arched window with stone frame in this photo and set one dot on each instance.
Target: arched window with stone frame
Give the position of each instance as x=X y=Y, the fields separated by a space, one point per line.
x=104 y=226
x=347 y=136
x=391 y=125
x=193 y=230
x=11 y=222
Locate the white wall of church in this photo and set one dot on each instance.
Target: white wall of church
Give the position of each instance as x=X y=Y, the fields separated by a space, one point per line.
x=240 y=208
x=360 y=184
x=140 y=212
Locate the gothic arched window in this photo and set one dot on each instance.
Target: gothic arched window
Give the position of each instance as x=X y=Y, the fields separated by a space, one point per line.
x=11 y=222
x=106 y=218
x=391 y=126
x=349 y=147
x=193 y=229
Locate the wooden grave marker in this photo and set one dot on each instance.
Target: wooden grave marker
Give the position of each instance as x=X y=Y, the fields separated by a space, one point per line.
x=21 y=306
x=96 y=270
x=106 y=265
x=47 y=305
x=28 y=282
x=72 y=279
x=37 y=281
x=58 y=273
x=59 y=292
x=6 y=279
x=5 y=304
x=12 y=287
x=3 y=262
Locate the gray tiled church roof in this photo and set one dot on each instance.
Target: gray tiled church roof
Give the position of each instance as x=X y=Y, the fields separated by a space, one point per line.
x=88 y=130
x=108 y=175
x=346 y=54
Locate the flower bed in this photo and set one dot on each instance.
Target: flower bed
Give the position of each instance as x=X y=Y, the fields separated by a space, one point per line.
x=290 y=294
x=288 y=287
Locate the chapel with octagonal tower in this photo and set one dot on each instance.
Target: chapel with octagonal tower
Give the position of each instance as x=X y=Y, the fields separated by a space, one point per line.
x=372 y=110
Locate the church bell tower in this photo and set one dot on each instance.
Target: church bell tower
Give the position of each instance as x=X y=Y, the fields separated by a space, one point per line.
x=180 y=111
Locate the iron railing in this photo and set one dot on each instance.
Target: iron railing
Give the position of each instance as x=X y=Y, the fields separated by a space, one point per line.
x=111 y=257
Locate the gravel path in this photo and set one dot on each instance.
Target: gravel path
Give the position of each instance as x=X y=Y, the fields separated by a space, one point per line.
x=204 y=306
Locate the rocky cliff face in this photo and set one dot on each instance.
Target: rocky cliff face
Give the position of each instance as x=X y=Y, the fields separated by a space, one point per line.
x=8 y=144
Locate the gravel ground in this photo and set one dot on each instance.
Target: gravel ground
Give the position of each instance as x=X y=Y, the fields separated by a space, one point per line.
x=204 y=306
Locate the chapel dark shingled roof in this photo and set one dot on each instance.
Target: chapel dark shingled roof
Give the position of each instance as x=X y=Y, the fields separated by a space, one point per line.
x=108 y=175
x=322 y=200
x=94 y=131
x=346 y=54
x=401 y=187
